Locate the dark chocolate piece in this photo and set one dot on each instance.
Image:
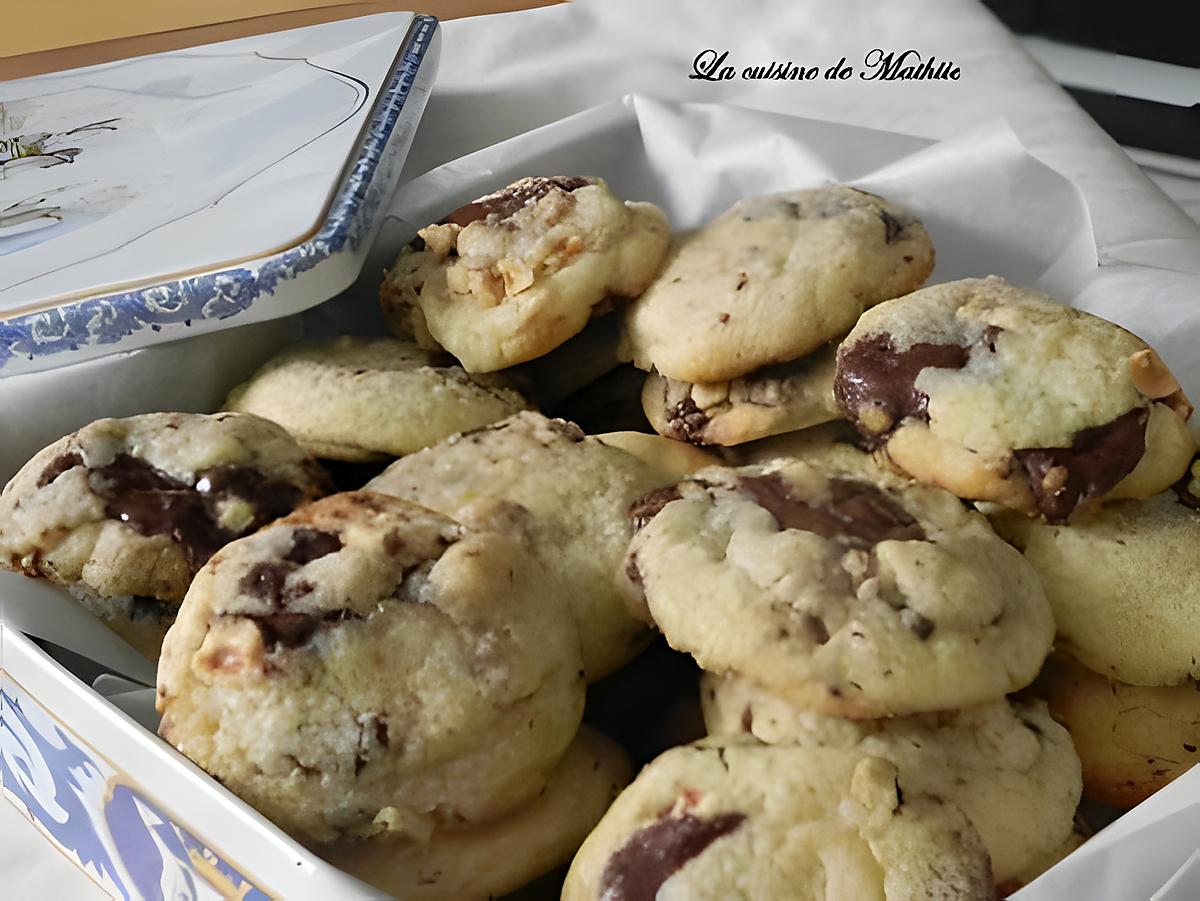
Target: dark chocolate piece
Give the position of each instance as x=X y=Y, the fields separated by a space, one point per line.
x=504 y=203
x=286 y=630
x=649 y=506
x=154 y=503
x=312 y=544
x=871 y=372
x=1062 y=478
x=857 y=513
x=919 y=624
x=815 y=628
x=58 y=466
x=892 y=227
x=266 y=580
x=270 y=498
x=637 y=870
x=293 y=630
x=685 y=421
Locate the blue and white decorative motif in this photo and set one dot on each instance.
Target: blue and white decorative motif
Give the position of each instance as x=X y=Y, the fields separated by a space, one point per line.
x=121 y=839
x=219 y=295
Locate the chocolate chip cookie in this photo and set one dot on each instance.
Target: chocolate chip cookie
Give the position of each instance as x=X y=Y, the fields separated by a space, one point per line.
x=577 y=490
x=367 y=666
x=514 y=274
x=829 y=441
x=1122 y=584
x=773 y=279
x=124 y=512
x=998 y=393
x=500 y=856
x=845 y=589
x=766 y=402
x=1133 y=740
x=723 y=820
x=363 y=399
x=1010 y=767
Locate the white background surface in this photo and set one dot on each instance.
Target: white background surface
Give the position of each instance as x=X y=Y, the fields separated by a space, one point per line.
x=503 y=75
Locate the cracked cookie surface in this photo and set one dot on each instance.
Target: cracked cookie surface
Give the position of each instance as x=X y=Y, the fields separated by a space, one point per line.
x=772 y=279
x=844 y=588
x=512 y=275
x=998 y=393
x=727 y=819
x=577 y=489
x=362 y=399
x=367 y=666
x=124 y=512
x=768 y=402
x=1007 y=765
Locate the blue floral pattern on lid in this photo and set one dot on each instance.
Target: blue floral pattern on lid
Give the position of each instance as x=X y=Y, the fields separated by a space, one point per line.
x=220 y=295
x=122 y=840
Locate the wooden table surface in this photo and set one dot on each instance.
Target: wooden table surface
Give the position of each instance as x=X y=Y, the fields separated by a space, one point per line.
x=52 y=35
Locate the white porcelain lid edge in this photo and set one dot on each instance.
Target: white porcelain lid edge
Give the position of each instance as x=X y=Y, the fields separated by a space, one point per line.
x=275 y=285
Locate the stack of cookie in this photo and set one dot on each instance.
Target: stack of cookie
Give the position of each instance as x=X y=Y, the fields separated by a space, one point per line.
x=739 y=330
x=513 y=275
x=504 y=280
x=352 y=671
x=1123 y=586
x=1072 y=433
x=836 y=605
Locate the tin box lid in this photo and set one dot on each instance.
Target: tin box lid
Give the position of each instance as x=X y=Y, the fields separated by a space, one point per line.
x=152 y=198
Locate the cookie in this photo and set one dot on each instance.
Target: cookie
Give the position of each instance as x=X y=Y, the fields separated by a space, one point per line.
x=1122 y=584
x=368 y=666
x=362 y=399
x=722 y=819
x=828 y=441
x=514 y=274
x=123 y=512
x=1049 y=858
x=1008 y=766
x=1133 y=740
x=848 y=590
x=577 y=490
x=500 y=856
x=773 y=279
x=766 y=402
x=998 y=393
x=673 y=460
